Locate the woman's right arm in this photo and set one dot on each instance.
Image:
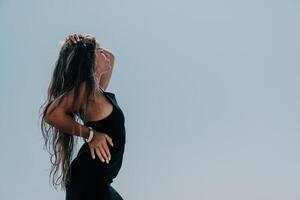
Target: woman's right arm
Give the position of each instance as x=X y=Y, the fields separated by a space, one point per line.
x=60 y=119
x=65 y=123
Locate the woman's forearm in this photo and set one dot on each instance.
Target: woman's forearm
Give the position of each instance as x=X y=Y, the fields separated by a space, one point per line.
x=65 y=123
x=111 y=56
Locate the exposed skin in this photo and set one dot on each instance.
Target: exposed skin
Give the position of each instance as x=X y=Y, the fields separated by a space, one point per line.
x=61 y=120
x=104 y=59
x=104 y=63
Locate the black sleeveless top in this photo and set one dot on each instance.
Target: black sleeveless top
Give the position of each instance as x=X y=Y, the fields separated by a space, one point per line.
x=114 y=126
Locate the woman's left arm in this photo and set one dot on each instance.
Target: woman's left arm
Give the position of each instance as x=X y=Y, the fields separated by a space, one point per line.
x=110 y=56
x=105 y=78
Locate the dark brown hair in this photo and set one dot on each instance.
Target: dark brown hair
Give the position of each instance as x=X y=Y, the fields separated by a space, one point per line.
x=75 y=65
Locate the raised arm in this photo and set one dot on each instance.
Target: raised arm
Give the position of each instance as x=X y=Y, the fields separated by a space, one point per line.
x=105 y=78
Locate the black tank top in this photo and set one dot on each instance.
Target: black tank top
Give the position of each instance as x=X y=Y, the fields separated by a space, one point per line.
x=114 y=126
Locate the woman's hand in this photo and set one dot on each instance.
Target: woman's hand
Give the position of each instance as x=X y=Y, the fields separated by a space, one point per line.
x=74 y=38
x=107 y=52
x=99 y=145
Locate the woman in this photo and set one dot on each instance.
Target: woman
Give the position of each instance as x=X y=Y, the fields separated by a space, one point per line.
x=77 y=93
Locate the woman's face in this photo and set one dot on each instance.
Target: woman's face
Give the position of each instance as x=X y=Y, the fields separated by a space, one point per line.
x=102 y=60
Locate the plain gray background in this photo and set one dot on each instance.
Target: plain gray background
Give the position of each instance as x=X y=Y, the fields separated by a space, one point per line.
x=210 y=90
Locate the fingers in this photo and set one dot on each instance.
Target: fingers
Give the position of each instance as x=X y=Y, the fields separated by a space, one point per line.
x=102 y=152
x=92 y=153
x=109 y=140
x=107 y=52
x=71 y=38
x=100 y=146
x=98 y=152
x=74 y=38
x=105 y=152
x=81 y=36
x=89 y=35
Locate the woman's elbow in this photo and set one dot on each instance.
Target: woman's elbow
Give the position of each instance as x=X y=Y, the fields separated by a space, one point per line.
x=51 y=118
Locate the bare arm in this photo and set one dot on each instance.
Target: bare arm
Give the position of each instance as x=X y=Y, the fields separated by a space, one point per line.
x=60 y=119
x=105 y=78
x=65 y=123
x=110 y=56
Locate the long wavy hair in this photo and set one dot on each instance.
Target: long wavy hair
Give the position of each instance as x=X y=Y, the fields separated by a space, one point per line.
x=76 y=64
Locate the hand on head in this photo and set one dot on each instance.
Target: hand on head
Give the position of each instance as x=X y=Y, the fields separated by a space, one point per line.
x=74 y=38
